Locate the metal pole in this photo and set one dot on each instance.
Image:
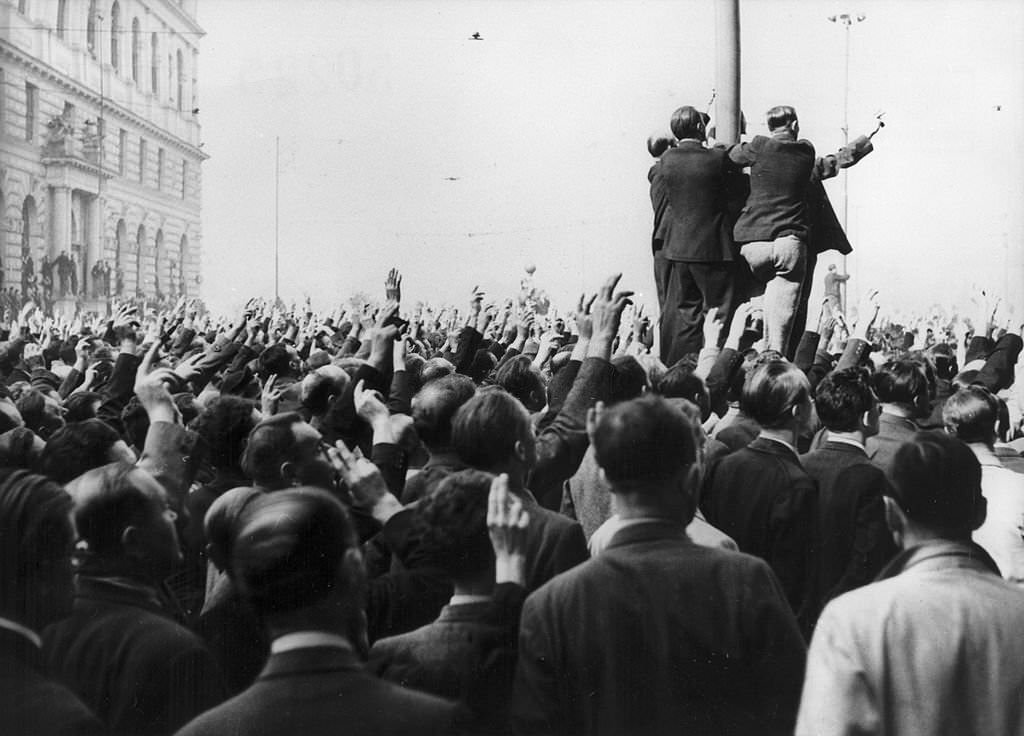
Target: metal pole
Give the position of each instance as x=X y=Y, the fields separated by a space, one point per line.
x=727 y=71
x=277 y=217
x=846 y=181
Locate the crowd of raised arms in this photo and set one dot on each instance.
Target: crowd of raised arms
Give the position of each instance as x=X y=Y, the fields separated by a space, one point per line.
x=488 y=520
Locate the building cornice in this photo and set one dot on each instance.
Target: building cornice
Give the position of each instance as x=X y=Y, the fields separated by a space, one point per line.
x=47 y=71
x=77 y=163
x=184 y=17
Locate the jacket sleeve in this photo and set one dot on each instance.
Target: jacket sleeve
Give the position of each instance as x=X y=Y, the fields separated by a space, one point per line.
x=536 y=702
x=118 y=390
x=997 y=372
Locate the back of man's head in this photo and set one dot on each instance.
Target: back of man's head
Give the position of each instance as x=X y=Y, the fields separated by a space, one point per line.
x=271 y=443
x=224 y=425
x=520 y=378
x=680 y=382
x=902 y=382
x=36 y=539
x=687 y=122
x=628 y=379
x=936 y=482
x=842 y=398
x=78 y=447
x=220 y=524
x=435 y=368
x=772 y=391
x=971 y=415
x=487 y=427
x=294 y=549
x=454 y=521
x=643 y=443
x=434 y=408
x=780 y=116
x=658 y=143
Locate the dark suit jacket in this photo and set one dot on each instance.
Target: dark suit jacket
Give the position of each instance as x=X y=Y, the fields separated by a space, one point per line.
x=657 y=635
x=323 y=690
x=140 y=671
x=554 y=543
x=893 y=431
x=31 y=704
x=780 y=177
x=762 y=498
x=695 y=180
x=853 y=538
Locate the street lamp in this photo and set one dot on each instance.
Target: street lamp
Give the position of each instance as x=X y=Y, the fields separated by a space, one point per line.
x=846 y=20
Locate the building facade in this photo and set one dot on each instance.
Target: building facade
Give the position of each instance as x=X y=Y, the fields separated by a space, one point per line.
x=100 y=152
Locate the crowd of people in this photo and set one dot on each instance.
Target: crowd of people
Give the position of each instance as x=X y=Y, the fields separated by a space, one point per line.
x=486 y=520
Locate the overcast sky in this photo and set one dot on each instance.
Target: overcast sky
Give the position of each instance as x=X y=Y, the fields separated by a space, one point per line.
x=404 y=143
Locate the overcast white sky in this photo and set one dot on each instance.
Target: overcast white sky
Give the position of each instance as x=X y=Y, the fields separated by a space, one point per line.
x=542 y=126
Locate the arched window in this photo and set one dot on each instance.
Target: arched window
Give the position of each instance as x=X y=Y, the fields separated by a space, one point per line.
x=136 y=49
x=154 y=55
x=115 y=35
x=90 y=28
x=62 y=17
x=28 y=221
x=181 y=81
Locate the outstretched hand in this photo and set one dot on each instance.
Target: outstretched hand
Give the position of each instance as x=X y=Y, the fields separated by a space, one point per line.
x=364 y=481
x=507 y=522
x=393 y=286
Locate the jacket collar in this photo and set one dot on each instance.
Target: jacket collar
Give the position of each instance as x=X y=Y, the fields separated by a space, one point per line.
x=444 y=459
x=649 y=531
x=309 y=660
x=771 y=447
x=464 y=612
x=896 y=421
x=122 y=591
x=844 y=447
x=938 y=555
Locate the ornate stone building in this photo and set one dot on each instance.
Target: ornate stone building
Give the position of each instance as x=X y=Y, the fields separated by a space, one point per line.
x=100 y=149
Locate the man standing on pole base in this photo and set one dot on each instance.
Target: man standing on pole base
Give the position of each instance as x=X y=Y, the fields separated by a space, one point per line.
x=694 y=261
x=787 y=221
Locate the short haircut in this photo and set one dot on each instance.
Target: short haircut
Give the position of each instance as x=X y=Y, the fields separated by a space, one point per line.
x=680 y=382
x=842 y=397
x=486 y=428
x=220 y=522
x=519 y=377
x=481 y=366
x=270 y=443
x=275 y=360
x=687 y=122
x=106 y=502
x=936 y=480
x=225 y=425
x=643 y=441
x=288 y=550
x=435 y=368
x=772 y=390
x=81 y=406
x=454 y=523
x=76 y=448
x=658 y=143
x=971 y=415
x=35 y=529
x=436 y=405
x=780 y=116
x=901 y=382
x=628 y=379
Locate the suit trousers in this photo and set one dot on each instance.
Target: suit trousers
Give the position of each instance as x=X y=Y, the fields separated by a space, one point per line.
x=779 y=268
x=686 y=291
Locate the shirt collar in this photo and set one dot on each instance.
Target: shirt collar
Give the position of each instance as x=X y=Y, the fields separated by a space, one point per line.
x=6 y=623
x=308 y=640
x=846 y=441
x=781 y=442
x=462 y=598
x=986 y=456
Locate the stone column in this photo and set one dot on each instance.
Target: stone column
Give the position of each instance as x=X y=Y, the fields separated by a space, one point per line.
x=60 y=221
x=94 y=242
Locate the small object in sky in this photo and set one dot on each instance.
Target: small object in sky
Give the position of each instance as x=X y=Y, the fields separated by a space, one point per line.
x=476 y=37
x=195 y=110
x=451 y=178
x=998 y=108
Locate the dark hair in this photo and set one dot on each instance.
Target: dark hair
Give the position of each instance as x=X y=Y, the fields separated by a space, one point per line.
x=628 y=379
x=435 y=407
x=270 y=443
x=522 y=380
x=643 y=441
x=454 y=524
x=902 y=382
x=687 y=122
x=772 y=390
x=76 y=448
x=481 y=366
x=936 y=480
x=225 y=425
x=81 y=406
x=780 y=116
x=971 y=415
x=221 y=520
x=107 y=501
x=658 y=143
x=486 y=428
x=680 y=382
x=275 y=360
x=842 y=397
x=288 y=550
x=35 y=529
x=31 y=404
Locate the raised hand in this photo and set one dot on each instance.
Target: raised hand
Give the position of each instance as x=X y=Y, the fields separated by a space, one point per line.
x=369 y=405
x=867 y=313
x=738 y=325
x=364 y=481
x=582 y=317
x=712 y=327
x=393 y=286
x=154 y=397
x=606 y=312
x=270 y=396
x=507 y=522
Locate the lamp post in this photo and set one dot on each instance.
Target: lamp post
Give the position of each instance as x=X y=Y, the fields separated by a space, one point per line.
x=847 y=21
